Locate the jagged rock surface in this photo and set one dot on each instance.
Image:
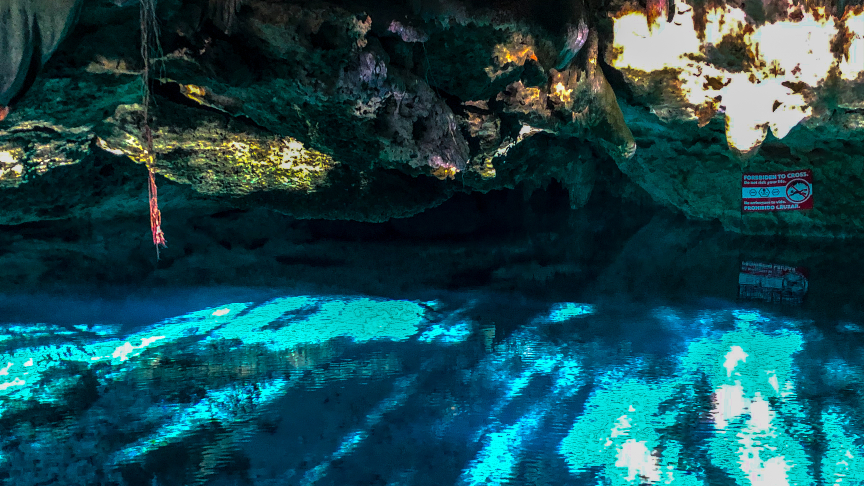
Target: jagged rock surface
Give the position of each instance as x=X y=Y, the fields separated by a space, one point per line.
x=348 y=110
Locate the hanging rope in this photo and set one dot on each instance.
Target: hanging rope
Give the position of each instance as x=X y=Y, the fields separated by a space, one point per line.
x=150 y=36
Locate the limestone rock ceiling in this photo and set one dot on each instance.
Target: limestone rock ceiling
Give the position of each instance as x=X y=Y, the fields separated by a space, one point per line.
x=363 y=110
x=761 y=67
x=780 y=84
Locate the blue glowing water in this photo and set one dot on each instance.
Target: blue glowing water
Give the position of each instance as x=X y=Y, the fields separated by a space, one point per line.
x=447 y=389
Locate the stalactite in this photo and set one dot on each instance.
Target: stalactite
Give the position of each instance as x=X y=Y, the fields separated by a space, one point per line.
x=223 y=13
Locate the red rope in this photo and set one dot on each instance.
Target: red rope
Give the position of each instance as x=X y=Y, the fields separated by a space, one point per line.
x=147 y=20
x=155 y=214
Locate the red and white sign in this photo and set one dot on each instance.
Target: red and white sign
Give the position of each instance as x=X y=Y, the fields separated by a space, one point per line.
x=772 y=283
x=777 y=191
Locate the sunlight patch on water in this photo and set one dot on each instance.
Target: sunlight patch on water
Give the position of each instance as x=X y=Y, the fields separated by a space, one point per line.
x=759 y=425
x=843 y=462
x=27 y=365
x=568 y=310
x=286 y=322
x=746 y=368
x=504 y=444
x=279 y=324
x=621 y=421
x=735 y=355
x=446 y=334
x=225 y=406
x=122 y=353
x=726 y=399
x=513 y=369
x=500 y=454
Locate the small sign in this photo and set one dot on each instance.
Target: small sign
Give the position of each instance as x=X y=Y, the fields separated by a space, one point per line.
x=772 y=283
x=777 y=191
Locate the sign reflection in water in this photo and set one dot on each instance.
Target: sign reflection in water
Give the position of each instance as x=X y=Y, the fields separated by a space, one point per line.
x=480 y=390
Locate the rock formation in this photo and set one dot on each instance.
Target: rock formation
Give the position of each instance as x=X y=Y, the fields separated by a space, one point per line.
x=353 y=110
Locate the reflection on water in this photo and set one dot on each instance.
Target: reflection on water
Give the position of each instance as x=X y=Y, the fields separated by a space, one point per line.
x=470 y=389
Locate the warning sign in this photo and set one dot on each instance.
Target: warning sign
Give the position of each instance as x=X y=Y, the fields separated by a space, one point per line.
x=777 y=191
x=772 y=283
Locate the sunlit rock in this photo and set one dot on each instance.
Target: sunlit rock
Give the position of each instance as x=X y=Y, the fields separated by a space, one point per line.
x=753 y=67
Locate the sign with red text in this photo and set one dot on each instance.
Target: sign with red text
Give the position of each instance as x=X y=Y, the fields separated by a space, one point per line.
x=769 y=282
x=777 y=191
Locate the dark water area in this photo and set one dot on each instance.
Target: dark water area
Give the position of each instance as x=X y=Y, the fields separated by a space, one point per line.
x=616 y=348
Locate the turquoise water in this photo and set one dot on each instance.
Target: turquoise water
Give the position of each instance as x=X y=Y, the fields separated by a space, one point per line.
x=235 y=386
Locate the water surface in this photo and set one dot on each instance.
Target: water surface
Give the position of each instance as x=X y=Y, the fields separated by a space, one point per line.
x=238 y=386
